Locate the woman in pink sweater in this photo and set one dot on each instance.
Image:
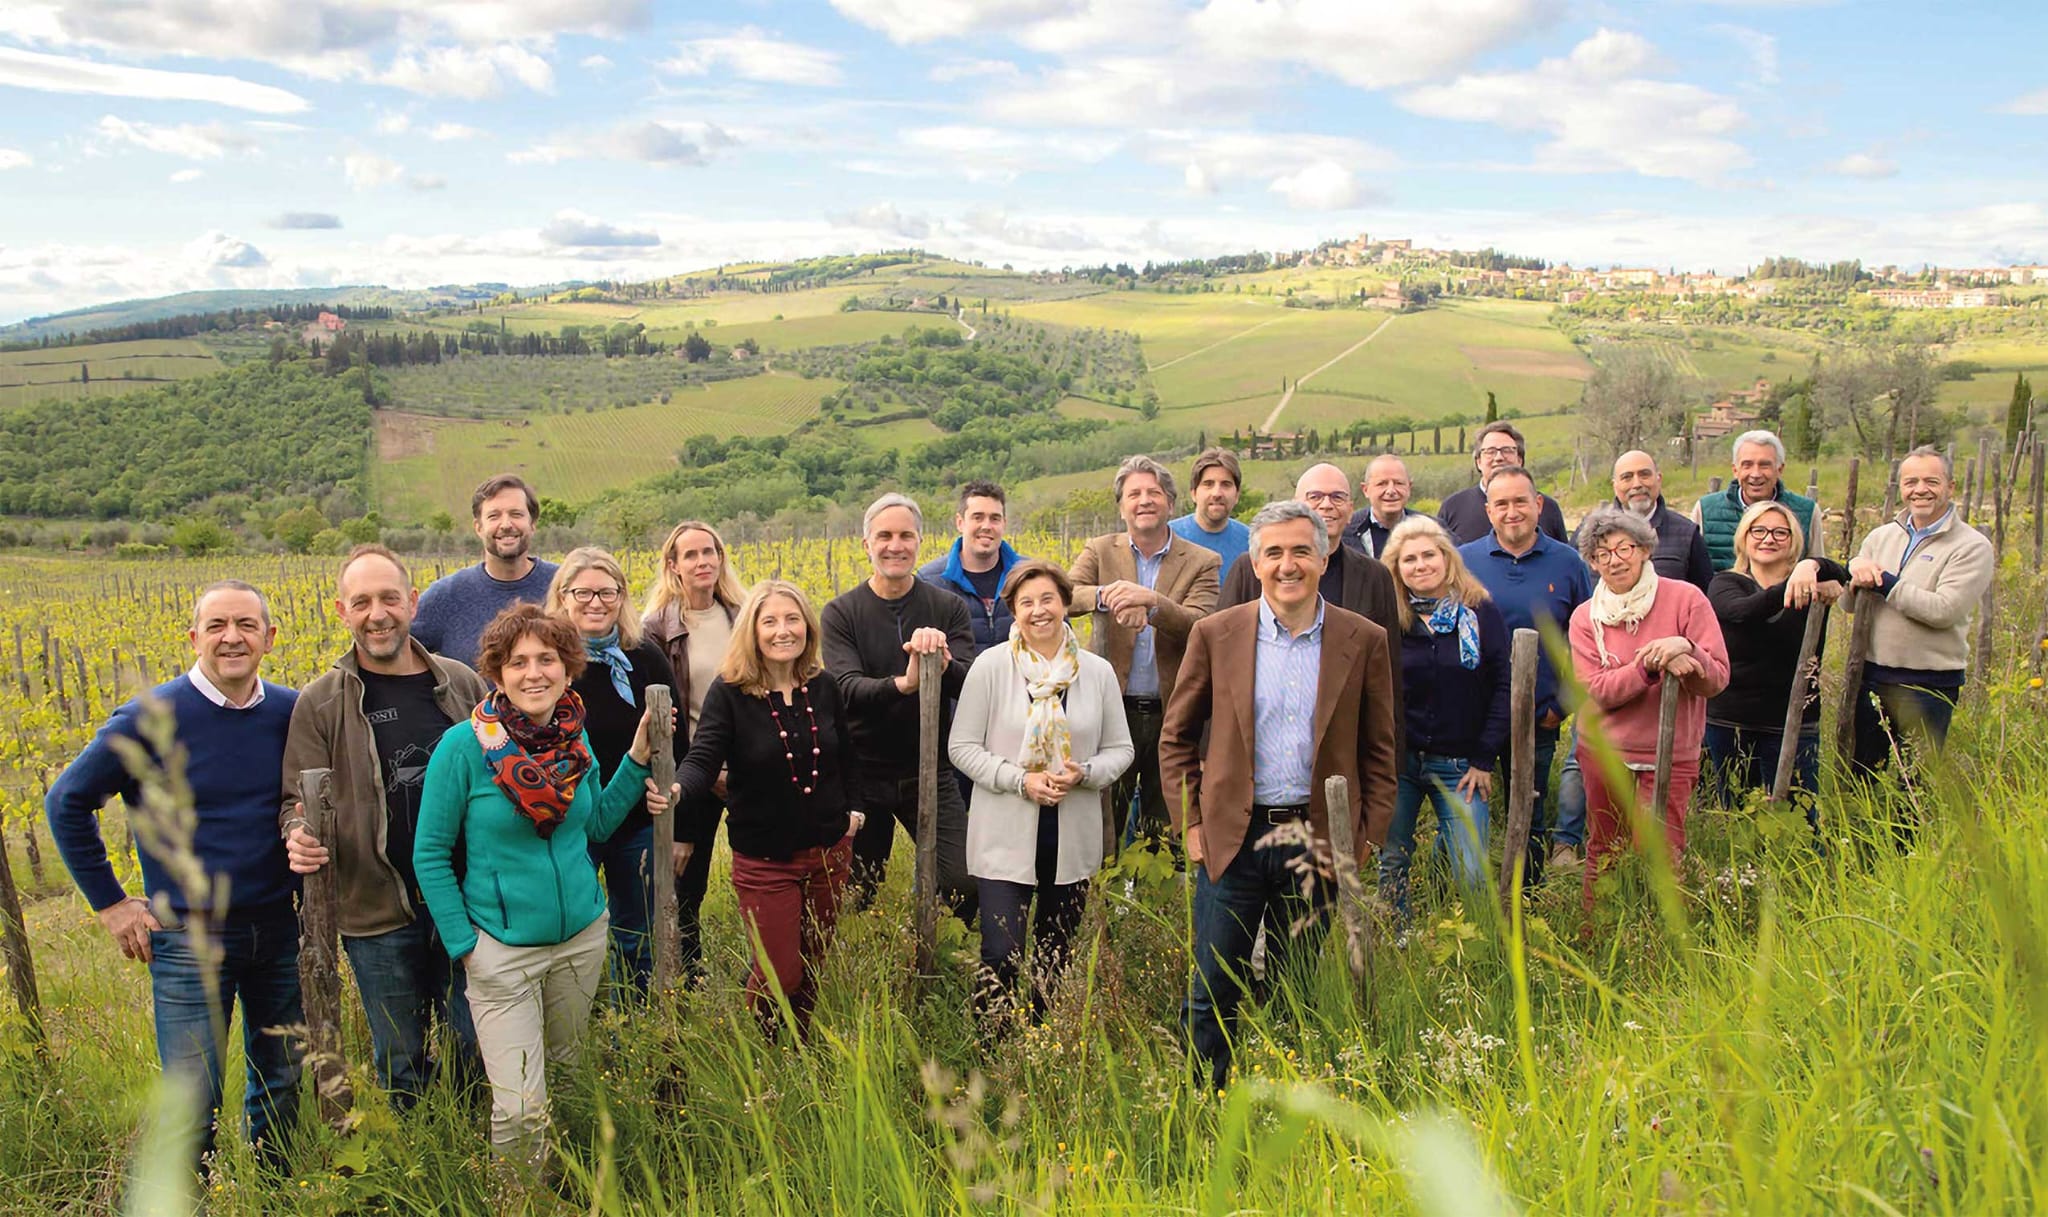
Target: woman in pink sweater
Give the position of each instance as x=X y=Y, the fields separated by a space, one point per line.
x=1635 y=633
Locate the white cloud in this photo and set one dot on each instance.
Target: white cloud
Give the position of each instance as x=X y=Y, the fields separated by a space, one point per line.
x=1761 y=48
x=1373 y=46
x=2027 y=103
x=442 y=133
x=209 y=142
x=653 y=143
x=1601 y=112
x=219 y=251
x=970 y=69
x=394 y=122
x=14 y=158
x=306 y=220
x=1310 y=171
x=368 y=171
x=1127 y=91
x=913 y=21
x=1319 y=186
x=60 y=74
x=885 y=219
x=187 y=175
x=426 y=181
x=594 y=63
x=473 y=73
x=571 y=228
x=992 y=154
x=1864 y=165
x=752 y=54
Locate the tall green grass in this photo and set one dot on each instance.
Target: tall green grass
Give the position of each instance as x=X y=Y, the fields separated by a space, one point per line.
x=1778 y=1030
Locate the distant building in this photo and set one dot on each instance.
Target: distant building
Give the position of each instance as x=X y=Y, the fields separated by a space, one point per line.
x=1922 y=298
x=322 y=329
x=1723 y=419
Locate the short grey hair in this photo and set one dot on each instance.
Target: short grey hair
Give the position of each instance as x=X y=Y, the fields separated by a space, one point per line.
x=1608 y=519
x=1283 y=510
x=1765 y=438
x=1948 y=464
x=1375 y=462
x=232 y=585
x=1144 y=464
x=892 y=499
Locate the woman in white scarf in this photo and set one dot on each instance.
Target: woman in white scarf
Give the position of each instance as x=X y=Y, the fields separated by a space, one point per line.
x=1040 y=731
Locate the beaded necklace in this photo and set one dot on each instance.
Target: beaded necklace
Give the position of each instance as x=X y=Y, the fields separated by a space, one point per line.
x=788 y=752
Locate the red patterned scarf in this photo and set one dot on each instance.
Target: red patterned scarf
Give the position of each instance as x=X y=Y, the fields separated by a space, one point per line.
x=537 y=765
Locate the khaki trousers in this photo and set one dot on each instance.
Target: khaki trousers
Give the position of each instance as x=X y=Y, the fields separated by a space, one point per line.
x=531 y=1005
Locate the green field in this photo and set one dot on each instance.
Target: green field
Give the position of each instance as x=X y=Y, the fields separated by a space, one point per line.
x=53 y=373
x=427 y=464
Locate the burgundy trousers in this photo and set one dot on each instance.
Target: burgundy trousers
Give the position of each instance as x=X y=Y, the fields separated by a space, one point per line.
x=791 y=906
x=1607 y=825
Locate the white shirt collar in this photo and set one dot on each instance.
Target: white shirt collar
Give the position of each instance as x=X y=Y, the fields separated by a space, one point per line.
x=209 y=692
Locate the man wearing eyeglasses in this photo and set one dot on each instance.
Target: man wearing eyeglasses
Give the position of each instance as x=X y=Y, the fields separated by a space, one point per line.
x=454 y=610
x=1498 y=447
x=1350 y=580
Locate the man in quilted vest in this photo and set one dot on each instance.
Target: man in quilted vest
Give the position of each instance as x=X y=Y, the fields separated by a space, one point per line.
x=1758 y=466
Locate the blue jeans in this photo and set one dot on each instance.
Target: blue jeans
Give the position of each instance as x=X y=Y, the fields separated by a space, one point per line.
x=1917 y=715
x=1571 y=795
x=629 y=891
x=405 y=979
x=258 y=966
x=1257 y=887
x=1744 y=758
x=1460 y=826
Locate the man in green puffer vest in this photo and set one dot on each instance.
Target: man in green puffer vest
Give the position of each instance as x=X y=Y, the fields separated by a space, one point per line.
x=1759 y=464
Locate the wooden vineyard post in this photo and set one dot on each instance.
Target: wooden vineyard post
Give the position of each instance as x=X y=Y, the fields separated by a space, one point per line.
x=2040 y=524
x=1849 y=508
x=1667 y=726
x=661 y=765
x=21 y=968
x=929 y=676
x=1987 y=611
x=1864 y=605
x=1967 y=504
x=320 y=956
x=1891 y=490
x=1714 y=485
x=21 y=667
x=1522 y=747
x=1344 y=861
x=1802 y=673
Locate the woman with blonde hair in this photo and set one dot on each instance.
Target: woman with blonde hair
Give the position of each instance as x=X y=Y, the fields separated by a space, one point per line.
x=773 y=722
x=1762 y=605
x=689 y=615
x=1454 y=666
x=589 y=592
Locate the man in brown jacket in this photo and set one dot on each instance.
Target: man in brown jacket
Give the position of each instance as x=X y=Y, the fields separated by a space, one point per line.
x=1145 y=588
x=373 y=719
x=1296 y=690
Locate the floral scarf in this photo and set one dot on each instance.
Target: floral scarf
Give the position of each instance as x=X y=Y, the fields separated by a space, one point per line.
x=1048 y=743
x=606 y=651
x=537 y=765
x=1625 y=609
x=1450 y=615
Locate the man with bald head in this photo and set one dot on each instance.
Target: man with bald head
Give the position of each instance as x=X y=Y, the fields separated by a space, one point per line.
x=231 y=725
x=1387 y=490
x=1681 y=549
x=1350 y=580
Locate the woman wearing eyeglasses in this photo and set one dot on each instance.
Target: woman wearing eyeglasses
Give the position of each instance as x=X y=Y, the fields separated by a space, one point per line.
x=1762 y=605
x=589 y=592
x=1637 y=632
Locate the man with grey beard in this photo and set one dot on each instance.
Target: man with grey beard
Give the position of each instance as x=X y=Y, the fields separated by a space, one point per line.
x=1681 y=550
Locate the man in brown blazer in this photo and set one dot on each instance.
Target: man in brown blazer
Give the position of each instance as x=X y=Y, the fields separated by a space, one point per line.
x=1292 y=690
x=1145 y=588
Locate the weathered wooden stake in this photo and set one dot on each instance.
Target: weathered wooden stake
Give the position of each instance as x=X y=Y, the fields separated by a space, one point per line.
x=21 y=665
x=1987 y=459
x=1987 y=611
x=1968 y=502
x=320 y=956
x=1804 y=685
x=1714 y=484
x=661 y=764
x=1344 y=861
x=1849 y=508
x=2040 y=522
x=1891 y=493
x=21 y=966
x=1863 y=603
x=1522 y=748
x=1667 y=726
x=929 y=675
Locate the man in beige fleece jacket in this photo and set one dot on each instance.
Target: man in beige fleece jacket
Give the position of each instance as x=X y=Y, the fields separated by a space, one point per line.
x=1929 y=570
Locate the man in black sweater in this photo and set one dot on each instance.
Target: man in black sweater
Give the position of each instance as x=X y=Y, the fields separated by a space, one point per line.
x=1463 y=515
x=872 y=635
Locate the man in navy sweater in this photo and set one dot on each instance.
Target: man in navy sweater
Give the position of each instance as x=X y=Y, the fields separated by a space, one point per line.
x=232 y=726
x=454 y=610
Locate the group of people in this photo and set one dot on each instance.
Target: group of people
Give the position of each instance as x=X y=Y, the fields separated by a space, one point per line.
x=489 y=740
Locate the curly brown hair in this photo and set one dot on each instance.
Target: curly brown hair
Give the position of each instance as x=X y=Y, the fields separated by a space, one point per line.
x=524 y=620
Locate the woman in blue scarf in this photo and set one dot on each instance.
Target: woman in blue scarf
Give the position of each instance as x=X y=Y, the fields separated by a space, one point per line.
x=589 y=592
x=1454 y=660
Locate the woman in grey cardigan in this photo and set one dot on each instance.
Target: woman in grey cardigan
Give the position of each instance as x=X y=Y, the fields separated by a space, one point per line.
x=1040 y=731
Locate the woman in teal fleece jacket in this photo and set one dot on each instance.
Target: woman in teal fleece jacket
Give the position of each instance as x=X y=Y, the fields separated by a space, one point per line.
x=516 y=785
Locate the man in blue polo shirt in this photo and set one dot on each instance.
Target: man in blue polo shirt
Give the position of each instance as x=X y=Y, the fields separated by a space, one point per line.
x=1532 y=578
x=1217 y=481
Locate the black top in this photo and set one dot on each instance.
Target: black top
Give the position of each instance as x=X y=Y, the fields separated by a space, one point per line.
x=1463 y=515
x=1366 y=534
x=768 y=815
x=1454 y=710
x=611 y=723
x=1763 y=638
x=406 y=723
x=864 y=637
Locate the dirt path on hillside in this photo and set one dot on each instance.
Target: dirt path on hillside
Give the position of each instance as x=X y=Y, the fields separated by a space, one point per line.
x=1289 y=394
x=1160 y=367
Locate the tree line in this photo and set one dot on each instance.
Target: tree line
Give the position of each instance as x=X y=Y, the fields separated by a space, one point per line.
x=188 y=325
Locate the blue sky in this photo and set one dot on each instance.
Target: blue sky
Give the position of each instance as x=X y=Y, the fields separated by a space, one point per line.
x=156 y=147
